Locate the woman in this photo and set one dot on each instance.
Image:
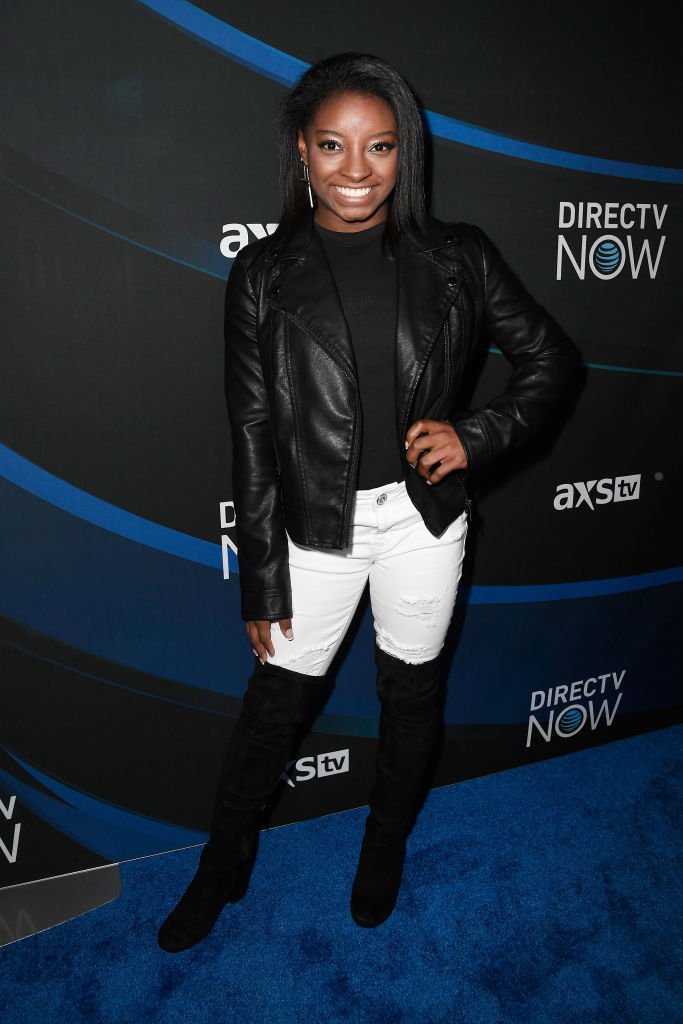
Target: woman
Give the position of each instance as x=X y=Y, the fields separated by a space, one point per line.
x=347 y=334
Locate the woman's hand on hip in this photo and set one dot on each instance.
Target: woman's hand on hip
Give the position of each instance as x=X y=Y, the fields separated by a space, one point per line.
x=433 y=448
x=258 y=631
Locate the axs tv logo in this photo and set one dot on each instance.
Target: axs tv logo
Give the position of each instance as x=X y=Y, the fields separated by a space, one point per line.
x=597 y=492
x=236 y=236
x=316 y=766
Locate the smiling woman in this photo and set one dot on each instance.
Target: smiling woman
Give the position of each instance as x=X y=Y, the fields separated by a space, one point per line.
x=347 y=335
x=350 y=148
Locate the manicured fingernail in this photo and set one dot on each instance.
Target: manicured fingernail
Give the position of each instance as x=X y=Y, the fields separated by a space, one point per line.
x=407 y=445
x=428 y=482
x=262 y=661
x=255 y=653
x=289 y=634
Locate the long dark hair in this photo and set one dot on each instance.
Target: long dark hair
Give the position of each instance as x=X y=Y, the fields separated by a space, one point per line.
x=354 y=73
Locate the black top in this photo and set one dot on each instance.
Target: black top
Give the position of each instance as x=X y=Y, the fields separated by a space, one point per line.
x=367 y=285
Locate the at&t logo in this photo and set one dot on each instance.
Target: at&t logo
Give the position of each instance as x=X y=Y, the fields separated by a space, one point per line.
x=571 y=707
x=316 y=766
x=607 y=254
x=597 y=492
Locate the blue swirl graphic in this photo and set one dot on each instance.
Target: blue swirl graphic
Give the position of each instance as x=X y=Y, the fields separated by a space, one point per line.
x=51 y=489
x=285 y=69
x=113 y=832
x=63 y=495
x=613 y=368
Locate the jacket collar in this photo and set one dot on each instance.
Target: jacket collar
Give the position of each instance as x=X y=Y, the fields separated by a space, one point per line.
x=437 y=239
x=429 y=280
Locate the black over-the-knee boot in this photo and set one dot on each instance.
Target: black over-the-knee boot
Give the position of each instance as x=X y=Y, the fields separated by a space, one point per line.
x=276 y=706
x=410 y=732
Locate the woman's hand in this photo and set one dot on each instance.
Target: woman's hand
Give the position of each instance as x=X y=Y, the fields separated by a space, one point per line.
x=433 y=448
x=258 y=631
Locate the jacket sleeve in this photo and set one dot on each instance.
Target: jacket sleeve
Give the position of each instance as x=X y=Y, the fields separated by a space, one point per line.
x=262 y=548
x=543 y=362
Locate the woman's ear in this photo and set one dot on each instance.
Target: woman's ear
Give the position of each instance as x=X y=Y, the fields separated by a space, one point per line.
x=301 y=143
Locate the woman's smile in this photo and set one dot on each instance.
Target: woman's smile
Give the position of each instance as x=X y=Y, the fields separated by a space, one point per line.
x=353 y=193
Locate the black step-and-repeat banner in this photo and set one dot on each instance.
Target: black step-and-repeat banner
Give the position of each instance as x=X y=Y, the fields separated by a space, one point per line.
x=137 y=158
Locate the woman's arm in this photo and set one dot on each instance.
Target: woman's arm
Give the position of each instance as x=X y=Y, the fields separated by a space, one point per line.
x=263 y=554
x=542 y=356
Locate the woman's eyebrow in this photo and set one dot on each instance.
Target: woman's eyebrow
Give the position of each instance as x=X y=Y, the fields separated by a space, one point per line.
x=333 y=131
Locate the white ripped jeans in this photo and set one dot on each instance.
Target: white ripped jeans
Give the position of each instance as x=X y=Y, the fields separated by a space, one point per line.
x=413 y=578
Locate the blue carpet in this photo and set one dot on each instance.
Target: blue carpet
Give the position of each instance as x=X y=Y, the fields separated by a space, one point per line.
x=551 y=893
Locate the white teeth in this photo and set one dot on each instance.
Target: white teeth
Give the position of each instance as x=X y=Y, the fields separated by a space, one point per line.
x=352 y=192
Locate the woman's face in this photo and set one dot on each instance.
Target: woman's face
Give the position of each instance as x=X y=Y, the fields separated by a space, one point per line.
x=351 y=148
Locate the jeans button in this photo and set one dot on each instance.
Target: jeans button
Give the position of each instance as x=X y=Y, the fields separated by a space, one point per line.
x=382 y=498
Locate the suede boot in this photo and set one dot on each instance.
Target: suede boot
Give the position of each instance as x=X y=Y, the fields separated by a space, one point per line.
x=410 y=733
x=275 y=709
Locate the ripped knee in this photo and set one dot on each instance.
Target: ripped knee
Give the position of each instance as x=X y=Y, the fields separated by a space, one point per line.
x=411 y=654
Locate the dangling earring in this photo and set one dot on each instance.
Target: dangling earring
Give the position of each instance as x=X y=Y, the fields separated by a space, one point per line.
x=307 y=181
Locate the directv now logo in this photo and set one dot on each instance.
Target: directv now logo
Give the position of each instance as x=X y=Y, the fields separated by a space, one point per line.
x=597 y=492
x=316 y=766
x=605 y=239
x=566 y=709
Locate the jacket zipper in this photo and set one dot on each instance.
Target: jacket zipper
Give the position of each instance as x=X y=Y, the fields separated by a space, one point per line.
x=418 y=376
x=442 y=410
x=447 y=366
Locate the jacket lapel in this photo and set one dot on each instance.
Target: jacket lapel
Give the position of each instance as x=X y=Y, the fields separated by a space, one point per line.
x=429 y=283
x=308 y=293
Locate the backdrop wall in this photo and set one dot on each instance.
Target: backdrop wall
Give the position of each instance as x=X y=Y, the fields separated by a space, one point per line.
x=138 y=157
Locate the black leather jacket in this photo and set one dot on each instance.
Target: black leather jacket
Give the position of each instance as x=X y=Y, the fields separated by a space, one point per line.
x=293 y=398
